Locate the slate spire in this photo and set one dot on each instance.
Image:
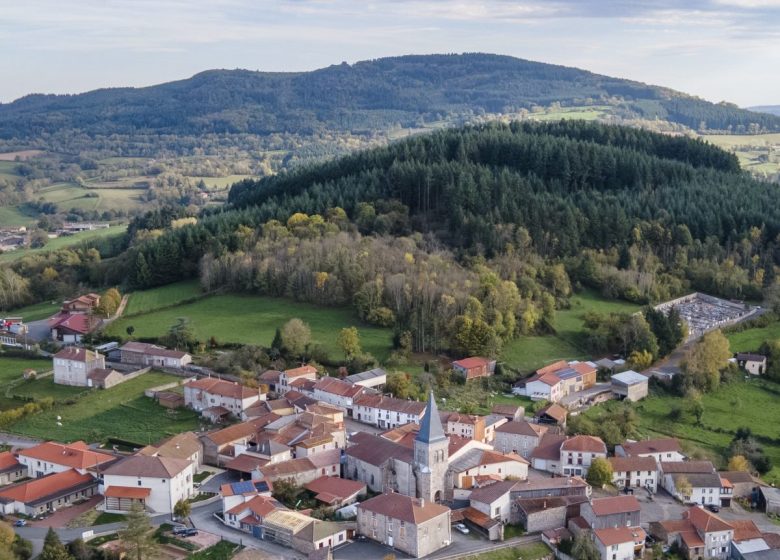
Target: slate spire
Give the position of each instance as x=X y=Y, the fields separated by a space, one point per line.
x=430 y=428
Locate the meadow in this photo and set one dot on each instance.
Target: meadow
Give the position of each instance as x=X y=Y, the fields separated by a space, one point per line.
x=247 y=319
x=532 y=551
x=62 y=242
x=750 y=340
x=11 y=369
x=745 y=403
x=569 y=341
x=751 y=149
x=122 y=411
x=164 y=296
x=34 y=312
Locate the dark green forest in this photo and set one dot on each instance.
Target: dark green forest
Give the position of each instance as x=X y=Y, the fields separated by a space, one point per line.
x=366 y=96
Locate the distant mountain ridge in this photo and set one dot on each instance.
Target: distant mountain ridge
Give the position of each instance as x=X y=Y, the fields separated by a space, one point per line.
x=771 y=109
x=365 y=96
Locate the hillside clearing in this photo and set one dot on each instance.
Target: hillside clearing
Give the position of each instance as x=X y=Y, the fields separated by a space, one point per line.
x=750 y=340
x=164 y=296
x=64 y=241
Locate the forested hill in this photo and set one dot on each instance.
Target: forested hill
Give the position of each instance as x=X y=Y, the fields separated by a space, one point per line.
x=771 y=109
x=570 y=184
x=368 y=95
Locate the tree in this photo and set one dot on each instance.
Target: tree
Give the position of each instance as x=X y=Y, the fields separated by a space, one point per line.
x=180 y=335
x=584 y=548
x=130 y=330
x=684 y=487
x=296 y=336
x=600 y=472
x=640 y=359
x=137 y=539
x=400 y=385
x=705 y=360
x=53 y=549
x=349 y=342
x=276 y=343
x=739 y=463
x=182 y=509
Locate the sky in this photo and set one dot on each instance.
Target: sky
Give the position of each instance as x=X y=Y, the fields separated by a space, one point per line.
x=716 y=49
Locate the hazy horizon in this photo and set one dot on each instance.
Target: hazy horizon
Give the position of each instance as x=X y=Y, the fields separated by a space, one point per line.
x=715 y=49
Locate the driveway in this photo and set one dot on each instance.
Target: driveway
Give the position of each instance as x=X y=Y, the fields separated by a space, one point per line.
x=214 y=483
x=38 y=330
x=62 y=517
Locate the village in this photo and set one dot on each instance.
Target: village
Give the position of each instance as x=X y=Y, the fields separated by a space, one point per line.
x=308 y=465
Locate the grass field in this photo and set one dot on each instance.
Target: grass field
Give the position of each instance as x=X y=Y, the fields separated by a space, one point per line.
x=164 y=296
x=12 y=368
x=65 y=241
x=34 y=312
x=750 y=340
x=12 y=216
x=585 y=113
x=122 y=411
x=223 y=550
x=45 y=387
x=568 y=343
x=248 y=319
x=70 y=195
x=533 y=551
x=749 y=148
x=750 y=403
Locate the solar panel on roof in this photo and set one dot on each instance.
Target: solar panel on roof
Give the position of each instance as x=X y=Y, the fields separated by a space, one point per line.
x=242 y=487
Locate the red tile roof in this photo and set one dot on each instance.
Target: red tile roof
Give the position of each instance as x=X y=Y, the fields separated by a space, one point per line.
x=705 y=521
x=552 y=368
x=553 y=410
x=8 y=461
x=77 y=322
x=661 y=445
x=613 y=505
x=259 y=505
x=56 y=484
x=473 y=362
x=614 y=536
x=415 y=408
x=130 y=492
x=338 y=387
x=76 y=455
x=329 y=487
x=229 y=389
x=549 y=447
x=630 y=464
x=590 y=444
x=300 y=371
x=246 y=463
x=522 y=428
x=745 y=529
x=404 y=508
x=75 y=354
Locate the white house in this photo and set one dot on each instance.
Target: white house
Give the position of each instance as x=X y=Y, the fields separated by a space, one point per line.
x=52 y=457
x=618 y=543
x=494 y=500
x=210 y=394
x=541 y=388
x=754 y=364
x=700 y=477
x=157 y=483
x=71 y=365
x=578 y=452
x=661 y=449
x=336 y=392
x=635 y=472
x=288 y=376
x=386 y=412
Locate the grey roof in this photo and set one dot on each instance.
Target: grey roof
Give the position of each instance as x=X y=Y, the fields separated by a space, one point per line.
x=629 y=377
x=431 y=429
x=750 y=357
x=365 y=375
x=699 y=480
x=491 y=419
x=770 y=494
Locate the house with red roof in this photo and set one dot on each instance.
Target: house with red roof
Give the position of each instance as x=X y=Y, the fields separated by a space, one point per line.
x=619 y=543
x=72 y=366
x=217 y=398
x=555 y=381
x=578 y=452
x=48 y=493
x=615 y=511
x=156 y=483
x=336 y=492
x=11 y=469
x=474 y=367
x=699 y=534
x=336 y=392
x=52 y=457
x=151 y=355
x=288 y=376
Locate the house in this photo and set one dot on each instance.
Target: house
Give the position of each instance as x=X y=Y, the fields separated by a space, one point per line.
x=151 y=355
x=511 y=412
x=156 y=483
x=619 y=543
x=468 y=426
x=617 y=511
x=376 y=377
x=661 y=449
x=630 y=385
x=52 y=457
x=288 y=376
x=547 y=455
x=553 y=382
x=270 y=378
x=305 y=469
x=72 y=365
x=209 y=393
x=11 y=469
x=334 y=491
x=474 y=463
x=540 y=514
x=494 y=499
x=635 y=472
x=691 y=481
x=185 y=445
x=578 y=452
x=48 y=493
x=70 y=328
x=519 y=437
x=82 y=304
x=553 y=414
x=754 y=364
x=471 y=368
x=105 y=378
x=336 y=392
x=699 y=534
x=743 y=485
x=247 y=511
x=300 y=532
x=573 y=486
x=386 y=412
x=414 y=526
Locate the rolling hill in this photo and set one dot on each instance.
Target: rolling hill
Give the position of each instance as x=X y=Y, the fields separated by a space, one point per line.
x=369 y=95
x=771 y=109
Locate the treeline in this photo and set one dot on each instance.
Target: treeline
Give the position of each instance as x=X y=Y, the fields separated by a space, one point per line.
x=409 y=283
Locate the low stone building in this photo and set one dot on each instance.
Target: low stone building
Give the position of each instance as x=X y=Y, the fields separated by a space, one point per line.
x=151 y=355
x=414 y=526
x=519 y=437
x=540 y=514
x=618 y=511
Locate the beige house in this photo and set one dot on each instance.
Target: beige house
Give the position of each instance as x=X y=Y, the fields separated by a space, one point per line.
x=287 y=377
x=635 y=472
x=157 y=483
x=519 y=437
x=217 y=398
x=414 y=526
x=72 y=365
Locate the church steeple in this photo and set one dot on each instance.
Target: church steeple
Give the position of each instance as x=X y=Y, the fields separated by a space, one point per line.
x=431 y=430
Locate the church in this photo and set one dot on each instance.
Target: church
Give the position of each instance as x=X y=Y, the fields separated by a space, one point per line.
x=421 y=461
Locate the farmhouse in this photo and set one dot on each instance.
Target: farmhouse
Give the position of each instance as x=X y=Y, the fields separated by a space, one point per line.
x=578 y=452
x=218 y=445
x=288 y=376
x=336 y=392
x=635 y=472
x=157 y=483
x=752 y=363
x=691 y=481
x=209 y=393
x=82 y=304
x=52 y=457
x=519 y=437
x=336 y=492
x=464 y=425
x=386 y=412
x=414 y=526
x=464 y=469
x=11 y=469
x=70 y=328
x=547 y=455
x=472 y=368
x=556 y=486
x=48 y=493
x=151 y=355
x=629 y=385
x=72 y=365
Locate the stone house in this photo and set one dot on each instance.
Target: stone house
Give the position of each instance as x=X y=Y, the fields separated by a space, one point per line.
x=151 y=355
x=635 y=472
x=540 y=514
x=519 y=437
x=72 y=365
x=578 y=452
x=618 y=511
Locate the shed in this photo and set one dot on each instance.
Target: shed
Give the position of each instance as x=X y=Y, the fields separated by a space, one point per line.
x=630 y=385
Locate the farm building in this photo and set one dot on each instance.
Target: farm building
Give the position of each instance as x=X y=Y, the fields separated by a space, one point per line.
x=630 y=385
x=142 y=354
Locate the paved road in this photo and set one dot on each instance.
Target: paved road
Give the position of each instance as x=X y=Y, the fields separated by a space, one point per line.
x=18 y=441
x=355 y=426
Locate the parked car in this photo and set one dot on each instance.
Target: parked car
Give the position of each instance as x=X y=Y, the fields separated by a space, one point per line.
x=461 y=528
x=190 y=532
x=713 y=508
x=180 y=530
x=20 y=523
x=361 y=538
